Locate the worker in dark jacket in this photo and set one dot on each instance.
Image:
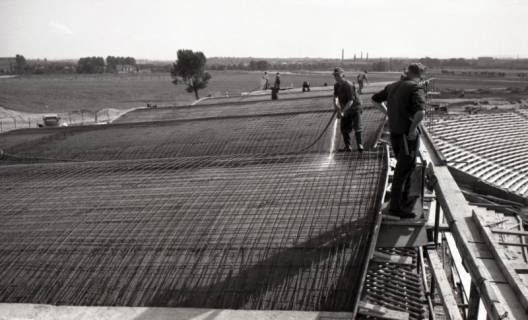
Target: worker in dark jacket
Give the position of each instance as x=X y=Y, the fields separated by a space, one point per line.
x=348 y=108
x=276 y=87
x=405 y=107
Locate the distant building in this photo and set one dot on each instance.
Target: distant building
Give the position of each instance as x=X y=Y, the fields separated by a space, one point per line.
x=485 y=61
x=126 y=68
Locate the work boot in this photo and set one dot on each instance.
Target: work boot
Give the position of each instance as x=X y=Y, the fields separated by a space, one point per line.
x=359 y=141
x=403 y=214
x=397 y=213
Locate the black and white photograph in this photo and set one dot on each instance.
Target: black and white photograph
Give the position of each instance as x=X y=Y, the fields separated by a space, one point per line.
x=263 y=159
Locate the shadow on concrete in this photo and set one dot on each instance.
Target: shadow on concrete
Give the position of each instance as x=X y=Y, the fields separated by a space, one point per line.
x=249 y=281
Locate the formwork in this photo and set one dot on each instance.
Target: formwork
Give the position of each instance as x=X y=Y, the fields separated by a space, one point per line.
x=228 y=212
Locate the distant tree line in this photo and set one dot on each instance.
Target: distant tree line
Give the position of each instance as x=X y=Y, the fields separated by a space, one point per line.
x=89 y=65
x=111 y=65
x=116 y=64
x=20 y=65
x=385 y=64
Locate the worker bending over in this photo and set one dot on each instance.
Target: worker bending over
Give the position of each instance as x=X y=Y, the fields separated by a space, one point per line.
x=405 y=108
x=348 y=108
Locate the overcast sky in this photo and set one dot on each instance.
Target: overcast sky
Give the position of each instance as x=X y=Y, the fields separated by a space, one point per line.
x=155 y=29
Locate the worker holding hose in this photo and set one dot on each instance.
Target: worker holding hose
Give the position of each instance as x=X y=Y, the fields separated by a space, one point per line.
x=405 y=108
x=348 y=108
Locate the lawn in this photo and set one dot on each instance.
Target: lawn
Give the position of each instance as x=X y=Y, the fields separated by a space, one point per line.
x=64 y=93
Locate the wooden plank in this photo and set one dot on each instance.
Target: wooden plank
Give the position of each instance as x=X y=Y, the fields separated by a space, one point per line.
x=373 y=310
x=510 y=232
x=513 y=244
x=446 y=293
x=519 y=266
x=509 y=272
x=396 y=259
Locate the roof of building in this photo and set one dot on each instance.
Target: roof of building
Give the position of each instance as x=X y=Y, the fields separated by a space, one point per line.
x=232 y=211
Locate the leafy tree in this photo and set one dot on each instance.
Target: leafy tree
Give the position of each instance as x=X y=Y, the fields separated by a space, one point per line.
x=115 y=64
x=91 y=65
x=20 y=64
x=190 y=69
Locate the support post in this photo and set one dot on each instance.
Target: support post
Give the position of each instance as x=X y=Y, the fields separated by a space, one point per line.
x=473 y=304
x=437 y=224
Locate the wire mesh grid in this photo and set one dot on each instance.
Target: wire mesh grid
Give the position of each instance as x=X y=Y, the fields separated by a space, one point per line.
x=283 y=96
x=271 y=134
x=227 y=109
x=396 y=287
x=259 y=232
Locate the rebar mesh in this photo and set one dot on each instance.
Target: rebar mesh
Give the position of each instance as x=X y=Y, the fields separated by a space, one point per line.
x=396 y=287
x=258 y=232
x=270 y=134
x=227 y=109
x=283 y=96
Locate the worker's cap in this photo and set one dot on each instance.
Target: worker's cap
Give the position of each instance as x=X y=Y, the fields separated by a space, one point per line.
x=416 y=68
x=338 y=70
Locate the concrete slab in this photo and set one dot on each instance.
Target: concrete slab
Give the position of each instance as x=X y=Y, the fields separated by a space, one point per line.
x=22 y=311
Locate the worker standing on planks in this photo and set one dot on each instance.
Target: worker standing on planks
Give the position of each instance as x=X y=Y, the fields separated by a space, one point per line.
x=406 y=109
x=362 y=80
x=348 y=108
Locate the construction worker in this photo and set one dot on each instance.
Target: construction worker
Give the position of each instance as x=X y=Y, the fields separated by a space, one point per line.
x=362 y=80
x=264 y=82
x=306 y=86
x=348 y=108
x=276 y=87
x=405 y=108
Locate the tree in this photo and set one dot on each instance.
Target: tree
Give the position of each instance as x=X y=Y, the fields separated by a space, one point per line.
x=261 y=65
x=380 y=66
x=20 y=64
x=190 y=69
x=91 y=65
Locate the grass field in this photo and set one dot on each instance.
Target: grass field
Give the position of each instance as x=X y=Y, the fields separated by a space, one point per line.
x=66 y=93
x=37 y=94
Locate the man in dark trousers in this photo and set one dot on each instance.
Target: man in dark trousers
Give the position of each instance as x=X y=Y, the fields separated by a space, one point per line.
x=348 y=108
x=405 y=109
x=276 y=87
x=362 y=79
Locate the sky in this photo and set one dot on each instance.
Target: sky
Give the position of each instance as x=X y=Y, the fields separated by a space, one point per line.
x=156 y=29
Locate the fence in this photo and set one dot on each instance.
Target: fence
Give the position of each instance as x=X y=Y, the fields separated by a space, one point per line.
x=72 y=118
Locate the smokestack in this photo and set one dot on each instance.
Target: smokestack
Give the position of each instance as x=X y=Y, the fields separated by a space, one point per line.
x=361 y=57
x=342 y=56
x=367 y=56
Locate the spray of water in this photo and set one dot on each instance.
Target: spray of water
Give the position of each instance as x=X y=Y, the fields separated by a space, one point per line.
x=331 y=154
